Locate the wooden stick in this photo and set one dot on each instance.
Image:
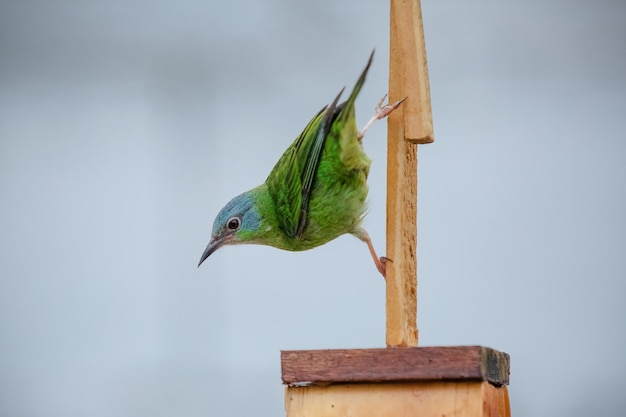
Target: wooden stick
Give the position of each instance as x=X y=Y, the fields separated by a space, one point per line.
x=408 y=70
x=410 y=123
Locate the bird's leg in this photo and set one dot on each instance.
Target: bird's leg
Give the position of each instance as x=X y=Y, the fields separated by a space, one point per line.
x=381 y=262
x=380 y=113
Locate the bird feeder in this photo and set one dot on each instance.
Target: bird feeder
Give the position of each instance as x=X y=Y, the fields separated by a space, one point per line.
x=401 y=379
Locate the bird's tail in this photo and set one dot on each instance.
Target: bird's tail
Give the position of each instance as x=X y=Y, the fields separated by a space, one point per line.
x=346 y=109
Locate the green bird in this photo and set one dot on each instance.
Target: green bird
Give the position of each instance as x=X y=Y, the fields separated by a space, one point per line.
x=316 y=191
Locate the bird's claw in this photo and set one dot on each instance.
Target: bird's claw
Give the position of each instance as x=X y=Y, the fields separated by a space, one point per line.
x=380 y=112
x=384 y=111
x=381 y=265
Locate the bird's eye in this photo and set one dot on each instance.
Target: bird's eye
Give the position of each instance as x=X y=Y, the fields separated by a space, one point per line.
x=233 y=223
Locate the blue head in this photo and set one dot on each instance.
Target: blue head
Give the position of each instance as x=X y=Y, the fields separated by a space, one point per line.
x=236 y=223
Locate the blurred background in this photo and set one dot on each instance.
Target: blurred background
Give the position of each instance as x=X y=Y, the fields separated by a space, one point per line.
x=126 y=126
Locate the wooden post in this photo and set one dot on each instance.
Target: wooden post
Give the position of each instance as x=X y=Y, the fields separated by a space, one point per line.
x=402 y=379
x=411 y=123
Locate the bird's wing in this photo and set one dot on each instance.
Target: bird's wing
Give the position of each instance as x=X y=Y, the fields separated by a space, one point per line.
x=291 y=180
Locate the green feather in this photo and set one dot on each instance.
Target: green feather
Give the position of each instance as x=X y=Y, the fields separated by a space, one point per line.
x=319 y=184
x=291 y=181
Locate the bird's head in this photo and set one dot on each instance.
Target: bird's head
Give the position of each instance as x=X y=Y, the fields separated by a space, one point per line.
x=238 y=222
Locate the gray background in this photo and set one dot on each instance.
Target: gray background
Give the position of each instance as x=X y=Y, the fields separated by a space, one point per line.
x=124 y=128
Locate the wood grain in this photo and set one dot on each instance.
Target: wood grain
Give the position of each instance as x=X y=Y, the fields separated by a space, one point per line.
x=423 y=399
x=401 y=277
x=393 y=365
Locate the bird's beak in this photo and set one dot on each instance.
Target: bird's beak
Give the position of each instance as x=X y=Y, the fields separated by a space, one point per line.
x=214 y=245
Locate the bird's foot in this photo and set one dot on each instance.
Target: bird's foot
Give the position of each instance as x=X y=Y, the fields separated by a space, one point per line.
x=381 y=262
x=384 y=111
x=380 y=113
x=381 y=265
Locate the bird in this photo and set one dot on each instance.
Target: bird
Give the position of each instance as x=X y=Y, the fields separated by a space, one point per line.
x=315 y=193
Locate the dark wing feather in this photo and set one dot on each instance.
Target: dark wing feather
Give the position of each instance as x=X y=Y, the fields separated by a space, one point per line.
x=312 y=161
x=291 y=180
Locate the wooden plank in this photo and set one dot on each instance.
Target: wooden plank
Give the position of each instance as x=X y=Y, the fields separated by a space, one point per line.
x=401 y=274
x=423 y=399
x=389 y=365
x=411 y=123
